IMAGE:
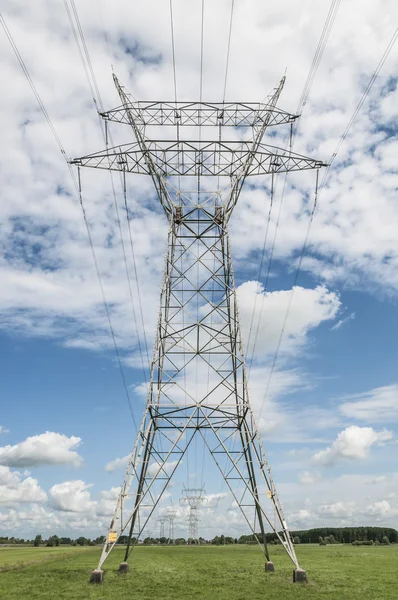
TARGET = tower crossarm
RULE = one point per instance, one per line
(199, 158)
(245, 170)
(157, 177)
(237, 114)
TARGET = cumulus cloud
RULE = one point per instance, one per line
(382, 508)
(341, 322)
(351, 444)
(338, 509)
(309, 308)
(166, 468)
(48, 448)
(118, 463)
(308, 477)
(72, 496)
(377, 405)
(107, 503)
(14, 488)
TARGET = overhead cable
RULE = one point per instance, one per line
(324, 179)
(293, 131)
(92, 81)
(228, 49)
(77, 185)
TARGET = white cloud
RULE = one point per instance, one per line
(382, 508)
(48, 448)
(166, 468)
(376, 405)
(351, 444)
(13, 488)
(214, 499)
(3, 430)
(353, 237)
(338, 509)
(72, 496)
(107, 503)
(309, 308)
(342, 321)
(38, 300)
(118, 463)
(308, 477)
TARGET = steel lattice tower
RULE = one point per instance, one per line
(171, 515)
(198, 384)
(193, 497)
(162, 521)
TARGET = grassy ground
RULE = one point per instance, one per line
(20, 556)
(212, 573)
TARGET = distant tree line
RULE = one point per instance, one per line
(358, 536)
(53, 540)
(332, 535)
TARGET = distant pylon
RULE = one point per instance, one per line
(171, 515)
(198, 328)
(193, 497)
(161, 521)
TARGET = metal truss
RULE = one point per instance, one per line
(198, 384)
(198, 158)
(193, 498)
(161, 521)
(171, 515)
(214, 114)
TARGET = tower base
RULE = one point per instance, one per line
(299, 576)
(97, 576)
(123, 567)
(269, 566)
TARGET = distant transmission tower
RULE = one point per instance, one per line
(198, 180)
(193, 497)
(171, 515)
(161, 521)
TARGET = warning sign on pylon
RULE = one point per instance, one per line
(112, 537)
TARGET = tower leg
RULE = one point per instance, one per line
(299, 576)
(97, 576)
(123, 567)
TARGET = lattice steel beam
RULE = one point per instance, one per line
(239, 114)
(198, 158)
(198, 326)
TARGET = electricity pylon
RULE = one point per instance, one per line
(162, 521)
(171, 515)
(198, 384)
(193, 497)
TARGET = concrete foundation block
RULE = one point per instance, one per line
(123, 567)
(97, 576)
(299, 576)
(269, 566)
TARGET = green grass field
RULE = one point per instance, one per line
(207, 572)
(19, 556)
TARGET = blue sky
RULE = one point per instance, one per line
(329, 423)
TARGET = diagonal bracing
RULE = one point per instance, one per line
(198, 385)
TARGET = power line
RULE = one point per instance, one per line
(173, 50)
(317, 194)
(77, 185)
(201, 52)
(291, 295)
(334, 7)
(96, 93)
(260, 270)
(87, 55)
(228, 49)
(360, 104)
(302, 102)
